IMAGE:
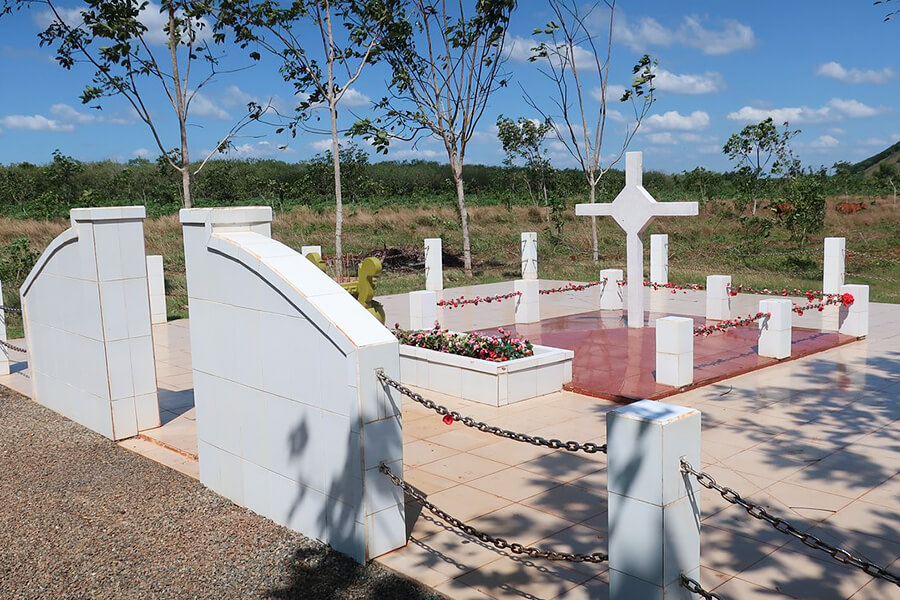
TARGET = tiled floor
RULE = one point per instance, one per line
(817, 440)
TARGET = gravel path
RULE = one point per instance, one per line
(81, 517)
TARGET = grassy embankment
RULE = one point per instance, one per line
(699, 246)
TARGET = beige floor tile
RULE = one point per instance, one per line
(765, 462)
(595, 482)
(797, 575)
(463, 467)
(534, 579)
(578, 539)
(522, 524)
(463, 438)
(467, 503)
(422, 452)
(879, 589)
(163, 456)
(570, 502)
(877, 550)
(807, 503)
(512, 453)
(870, 519)
(453, 553)
(887, 494)
(514, 484)
(739, 589)
(596, 588)
(561, 466)
(845, 473)
(457, 590)
(426, 482)
(728, 552)
(413, 562)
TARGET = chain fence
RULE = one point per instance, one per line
(451, 416)
(6, 344)
(692, 585)
(498, 542)
(11, 309)
(758, 511)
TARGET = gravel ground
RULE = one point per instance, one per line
(81, 517)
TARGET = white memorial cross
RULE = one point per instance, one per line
(634, 209)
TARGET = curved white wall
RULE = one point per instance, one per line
(291, 421)
(87, 324)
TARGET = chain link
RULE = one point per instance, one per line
(6, 344)
(499, 542)
(693, 586)
(757, 511)
(587, 447)
(872, 277)
(11, 309)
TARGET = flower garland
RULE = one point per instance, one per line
(462, 300)
(571, 287)
(675, 287)
(495, 348)
(734, 290)
(730, 324)
(830, 299)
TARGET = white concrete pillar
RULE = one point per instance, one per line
(659, 258)
(834, 264)
(611, 291)
(654, 511)
(718, 300)
(422, 309)
(854, 319)
(304, 250)
(528, 304)
(434, 265)
(529, 255)
(675, 351)
(157, 288)
(775, 330)
(4, 351)
(635, 268)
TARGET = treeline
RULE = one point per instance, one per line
(50, 190)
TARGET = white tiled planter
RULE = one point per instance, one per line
(494, 383)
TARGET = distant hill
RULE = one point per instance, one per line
(868, 166)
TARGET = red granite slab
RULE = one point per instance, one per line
(618, 363)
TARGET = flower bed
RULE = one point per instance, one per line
(495, 348)
(509, 376)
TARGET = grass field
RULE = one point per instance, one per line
(712, 243)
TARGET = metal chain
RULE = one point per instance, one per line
(873, 277)
(11, 309)
(757, 511)
(694, 586)
(587, 447)
(6, 344)
(499, 542)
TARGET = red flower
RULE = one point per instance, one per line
(847, 299)
(448, 420)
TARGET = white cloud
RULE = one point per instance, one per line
(355, 99)
(836, 131)
(34, 123)
(706, 83)
(835, 110)
(691, 32)
(665, 138)
(836, 70)
(202, 106)
(66, 113)
(261, 149)
(518, 49)
(824, 141)
(321, 145)
(142, 153)
(412, 153)
(675, 121)
(877, 142)
(234, 96)
(853, 108)
(613, 92)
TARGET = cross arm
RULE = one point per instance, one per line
(675, 209)
(594, 210)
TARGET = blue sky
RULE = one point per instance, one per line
(831, 68)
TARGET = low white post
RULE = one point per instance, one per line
(675, 351)
(718, 300)
(529, 255)
(834, 264)
(611, 291)
(422, 309)
(304, 250)
(854, 319)
(156, 285)
(528, 307)
(4, 351)
(654, 510)
(434, 265)
(659, 258)
(775, 330)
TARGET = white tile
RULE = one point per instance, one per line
(146, 408)
(121, 376)
(124, 419)
(114, 311)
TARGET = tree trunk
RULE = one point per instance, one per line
(338, 195)
(181, 109)
(595, 248)
(456, 170)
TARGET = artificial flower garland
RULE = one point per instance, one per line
(571, 287)
(830, 299)
(495, 348)
(730, 324)
(675, 287)
(462, 300)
